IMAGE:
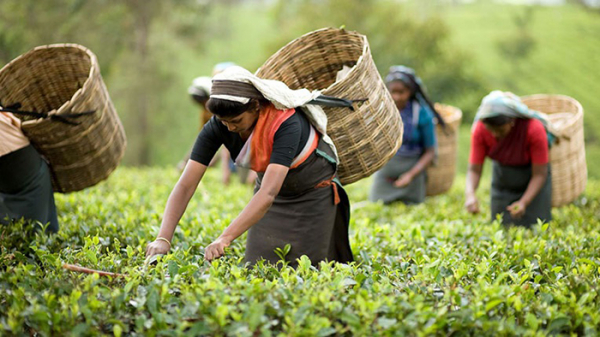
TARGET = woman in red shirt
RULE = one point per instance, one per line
(516, 140)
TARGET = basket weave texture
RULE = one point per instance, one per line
(440, 175)
(567, 155)
(365, 138)
(64, 79)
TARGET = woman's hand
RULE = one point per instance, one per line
(216, 249)
(403, 180)
(517, 209)
(472, 205)
(157, 247)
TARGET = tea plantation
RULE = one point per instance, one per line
(425, 270)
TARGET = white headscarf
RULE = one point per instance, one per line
(200, 86)
(281, 96)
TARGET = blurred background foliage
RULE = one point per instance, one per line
(150, 50)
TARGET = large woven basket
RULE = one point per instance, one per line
(440, 175)
(62, 81)
(567, 155)
(365, 138)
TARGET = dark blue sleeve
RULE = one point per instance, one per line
(427, 128)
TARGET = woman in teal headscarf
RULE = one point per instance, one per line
(403, 177)
(517, 140)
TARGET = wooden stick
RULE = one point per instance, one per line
(79, 269)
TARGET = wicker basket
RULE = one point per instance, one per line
(64, 80)
(367, 137)
(567, 155)
(440, 176)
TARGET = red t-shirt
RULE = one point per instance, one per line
(507, 151)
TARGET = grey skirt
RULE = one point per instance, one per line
(383, 182)
(304, 216)
(509, 184)
(26, 189)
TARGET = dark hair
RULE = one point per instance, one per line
(497, 120)
(228, 109)
(199, 98)
(405, 77)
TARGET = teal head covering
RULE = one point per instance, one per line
(499, 103)
(408, 76)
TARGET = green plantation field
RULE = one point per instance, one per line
(425, 270)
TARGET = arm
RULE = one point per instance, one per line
(473, 178)
(538, 142)
(421, 165)
(428, 139)
(253, 212)
(225, 165)
(538, 179)
(176, 205)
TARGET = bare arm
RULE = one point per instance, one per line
(538, 179)
(225, 166)
(176, 205)
(473, 178)
(253, 212)
(424, 161)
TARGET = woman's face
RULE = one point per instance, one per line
(500, 131)
(241, 123)
(400, 93)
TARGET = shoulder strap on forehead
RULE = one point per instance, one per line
(235, 88)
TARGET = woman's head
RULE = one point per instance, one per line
(402, 85)
(499, 125)
(200, 89)
(236, 103)
(400, 92)
(237, 117)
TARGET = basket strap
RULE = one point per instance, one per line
(64, 118)
(331, 101)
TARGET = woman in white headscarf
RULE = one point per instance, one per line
(200, 92)
(279, 133)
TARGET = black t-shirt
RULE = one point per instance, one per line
(288, 142)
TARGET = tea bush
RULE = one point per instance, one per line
(431, 269)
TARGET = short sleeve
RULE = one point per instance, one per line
(479, 148)
(286, 142)
(427, 128)
(207, 143)
(538, 142)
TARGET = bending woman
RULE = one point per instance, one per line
(403, 177)
(297, 199)
(25, 183)
(516, 139)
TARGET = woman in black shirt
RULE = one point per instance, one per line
(297, 199)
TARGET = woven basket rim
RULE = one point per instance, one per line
(577, 114)
(364, 42)
(365, 49)
(456, 115)
(86, 83)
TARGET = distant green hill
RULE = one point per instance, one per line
(565, 58)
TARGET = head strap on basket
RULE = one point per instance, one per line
(235, 88)
(63, 118)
